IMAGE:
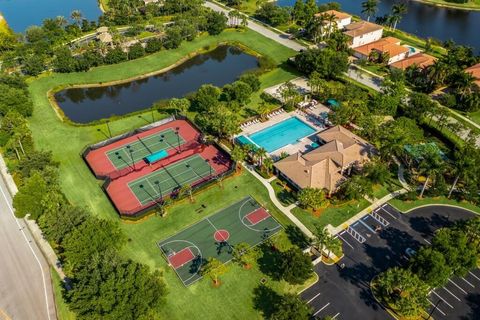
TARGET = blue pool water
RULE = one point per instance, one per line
(282, 134)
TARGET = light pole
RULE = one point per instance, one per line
(108, 127)
(209, 166)
(178, 138)
(130, 151)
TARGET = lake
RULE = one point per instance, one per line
(218, 67)
(424, 20)
(20, 14)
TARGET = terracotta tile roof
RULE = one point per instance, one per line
(339, 15)
(321, 168)
(360, 28)
(475, 72)
(421, 60)
(388, 45)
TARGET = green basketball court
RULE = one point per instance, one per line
(215, 236)
(163, 181)
(131, 153)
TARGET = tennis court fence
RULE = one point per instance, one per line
(141, 211)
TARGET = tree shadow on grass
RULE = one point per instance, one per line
(270, 261)
(297, 237)
(265, 300)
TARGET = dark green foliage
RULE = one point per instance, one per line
(115, 55)
(291, 307)
(217, 22)
(35, 160)
(238, 91)
(153, 45)
(92, 236)
(15, 99)
(33, 65)
(136, 51)
(174, 38)
(29, 198)
(57, 224)
(110, 287)
(252, 80)
(295, 266)
(206, 97)
(272, 14)
(431, 267)
(327, 62)
(64, 61)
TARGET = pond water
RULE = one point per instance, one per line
(424, 20)
(218, 67)
(20, 14)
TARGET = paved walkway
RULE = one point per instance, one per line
(273, 197)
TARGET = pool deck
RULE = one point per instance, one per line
(305, 116)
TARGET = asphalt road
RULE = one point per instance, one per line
(344, 293)
(25, 287)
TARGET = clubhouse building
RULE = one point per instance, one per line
(326, 166)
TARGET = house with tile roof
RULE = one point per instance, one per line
(363, 32)
(324, 167)
(386, 46)
(420, 60)
(342, 19)
(475, 72)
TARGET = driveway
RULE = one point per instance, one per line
(25, 286)
(378, 242)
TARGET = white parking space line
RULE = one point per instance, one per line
(321, 309)
(473, 275)
(438, 309)
(335, 316)
(367, 226)
(446, 302)
(345, 241)
(313, 298)
(426, 240)
(456, 285)
(451, 294)
(388, 213)
(471, 285)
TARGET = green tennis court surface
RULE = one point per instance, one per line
(214, 236)
(163, 181)
(135, 151)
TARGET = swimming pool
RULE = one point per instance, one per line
(287, 132)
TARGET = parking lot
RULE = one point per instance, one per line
(377, 242)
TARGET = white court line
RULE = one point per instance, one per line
(313, 298)
(473, 275)
(31, 249)
(456, 285)
(448, 304)
(388, 213)
(321, 309)
(451, 294)
(335, 316)
(346, 241)
(471, 285)
(438, 309)
(426, 241)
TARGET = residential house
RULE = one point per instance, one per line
(420, 60)
(342, 19)
(388, 46)
(324, 167)
(363, 32)
(475, 72)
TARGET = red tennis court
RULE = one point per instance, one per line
(257, 216)
(126, 155)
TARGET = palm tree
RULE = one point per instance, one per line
(437, 73)
(431, 165)
(331, 22)
(317, 28)
(463, 83)
(320, 238)
(268, 164)
(261, 153)
(264, 108)
(180, 104)
(77, 16)
(244, 22)
(464, 164)
(61, 21)
(238, 154)
(398, 10)
(369, 8)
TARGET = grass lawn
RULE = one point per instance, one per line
(416, 42)
(66, 141)
(469, 5)
(285, 196)
(333, 214)
(409, 205)
(475, 116)
(63, 313)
